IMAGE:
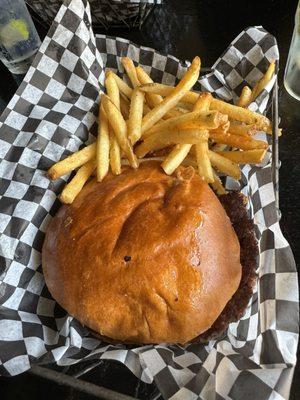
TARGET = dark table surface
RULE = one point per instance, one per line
(185, 29)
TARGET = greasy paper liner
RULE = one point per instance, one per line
(52, 114)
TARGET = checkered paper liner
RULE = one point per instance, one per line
(104, 12)
(52, 114)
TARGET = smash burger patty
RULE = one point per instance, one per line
(145, 257)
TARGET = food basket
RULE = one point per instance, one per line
(52, 114)
(105, 13)
(79, 376)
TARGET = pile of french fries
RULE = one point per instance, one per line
(173, 125)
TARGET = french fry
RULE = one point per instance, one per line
(165, 90)
(218, 147)
(248, 130)
(120, 102)
(186, 162)
(152, 99)
(180, 151)
(217, 185)
(123, 87)
(262, 83)
(186, 83)
(102, 156)
(72, 162)
(134, 123)
(112, 89)
(114, 154)
(242, 130)
(202, 119)
(119, 126)
(222, 164)
(175, 158)
(174, 113)
(239, 142)
(221, 130)
(233, 112)
(240, 114)
(167, 138)
(124, 107)
(72, 189)
(245, 97)
(130, 70)
(203, 162)
(185, 106)
(180, 110)
(244, 157)
(146, 109)
(203, 102)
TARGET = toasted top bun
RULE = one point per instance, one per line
(143, 257)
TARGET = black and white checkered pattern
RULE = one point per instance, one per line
(106, 12)
(52, 115)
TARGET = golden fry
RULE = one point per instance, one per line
(175, 158)
(244, 157)
(165, 90)
(146, 109)
(114, 154)
(72, 162)
(112, 89)
(185, 106)
(242, 130)
(203, 102)
(72, 189)
(120, 102)
(262, 83)
(224, 165)
(123, 87)
(245, 97)
(201, 119)
(233, 112)
(167, 138)
(152, 99)
(124, 107)
(218, 147)
(203, 161)
(119, 126)
(239, 142)
(134, 123)
(130, 70)
(102, 157)
(221, 130)
(217, 185)
(240, 114)
(186, 83)
(180, 151)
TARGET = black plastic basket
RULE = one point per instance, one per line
(105, 13)
(77, 376)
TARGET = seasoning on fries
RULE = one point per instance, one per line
(102, 146)
(173, 125)
(245, 97)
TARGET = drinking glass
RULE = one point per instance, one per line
(19, 40)
(292, 69)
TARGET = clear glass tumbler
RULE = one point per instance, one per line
(19, 40)
(292, 69)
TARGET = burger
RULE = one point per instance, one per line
(144, 257)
